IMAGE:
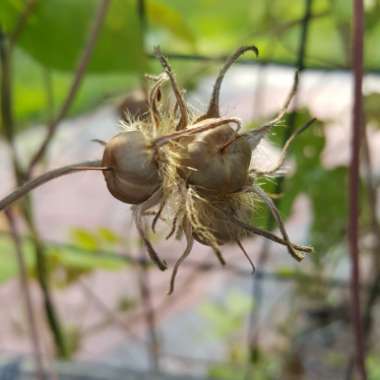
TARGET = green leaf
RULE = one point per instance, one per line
(342, 10)
(30, 91)
(226, 318)
(58, 30)
(372, 107)
(8, 259)
(325, 188)
(165, 17)
(108, 236)
(216, 24)
(84, 239)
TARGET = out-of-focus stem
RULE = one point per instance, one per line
(46, 177)
(84, 60)
(24, 284)
(353, 223)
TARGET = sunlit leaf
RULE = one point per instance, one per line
(166, 17)
(8, 259)
(372, 107)
(108, 236)
(58, 30)
(84, 238)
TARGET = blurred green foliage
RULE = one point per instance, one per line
(31, 82)
(226, 319)
(57, 31)
(66, 263)
(371, 108)
(373, 366)
(227, 314)
(322, 186)
(55, 34)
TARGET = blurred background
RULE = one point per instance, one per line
(77, 296)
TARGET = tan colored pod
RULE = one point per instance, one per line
(210, 162)
(133, 177)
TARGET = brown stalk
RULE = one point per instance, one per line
(353, 223)
(149, 314)
(84, 60)
(22, 22)
(284, 150)
(138, 212)
(26, 293)
(266, 234)
(9, 127)
(184, 119)
(276, 215)
(46, 177)
(201, 126)
(189, 245)
(213, 107)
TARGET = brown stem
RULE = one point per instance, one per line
(201, 126)
(153, 97)
(268, 235)
(138, 212)
(189, 245)
(46, 177)
(277, 217)
(353, 223)
(213, 108)
(22, 22)
(24, 284)
(284, 150)
(149, 314)
(184, 119)
(246, 255)
(111, 315)
(42, 273)
(79, 74)
(288, 100)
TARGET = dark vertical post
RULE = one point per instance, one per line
(353, 223)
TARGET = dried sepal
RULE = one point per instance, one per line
(187, 229)
(213, 107)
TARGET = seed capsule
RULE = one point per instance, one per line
(213, 163)
(133, 176)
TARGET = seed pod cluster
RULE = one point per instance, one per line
(194, 169)
(196, 166)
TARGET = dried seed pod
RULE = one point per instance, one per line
(202, 163)
(217, 160)
(134, 176)
(221, 189)
(210, 162)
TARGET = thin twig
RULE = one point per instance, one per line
(24, 284)
(41, 266)
(84, 60)
(353, 223)
(111, 314)
(213, 107)
(149, 314)
(46, 177)
(268, 235)
(22, 22)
